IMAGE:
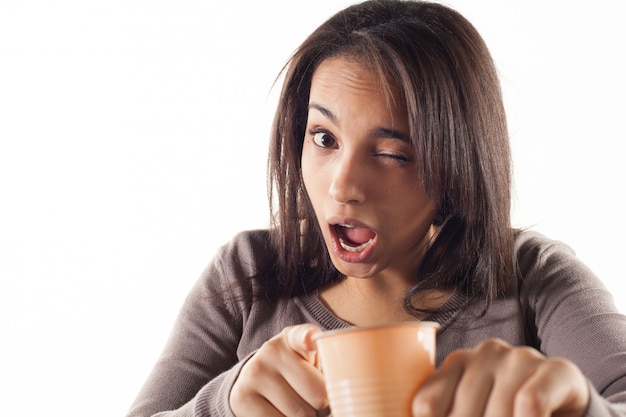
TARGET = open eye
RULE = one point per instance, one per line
(323, 139)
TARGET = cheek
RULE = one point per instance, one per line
(411, 205)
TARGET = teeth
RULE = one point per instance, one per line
(354, 249)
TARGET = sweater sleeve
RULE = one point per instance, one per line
(199, 363)
(575, 318)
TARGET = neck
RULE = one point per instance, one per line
(370, 302)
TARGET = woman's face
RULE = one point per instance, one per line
(361, 175)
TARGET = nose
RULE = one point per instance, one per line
(348, 183)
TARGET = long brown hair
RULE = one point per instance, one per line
(457, 126)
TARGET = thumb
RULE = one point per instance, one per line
(300, 340)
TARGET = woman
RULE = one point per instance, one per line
(390, 171)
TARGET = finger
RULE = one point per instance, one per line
(286, 398)
(263, 381)
(474, 390)
(493, 373)
(473, 394)
(436, 396)
(280, 376)
(512, 372)
(305, 376)
(308, 381)
(556, 386)
(256, 406)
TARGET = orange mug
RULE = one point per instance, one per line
(375, 371)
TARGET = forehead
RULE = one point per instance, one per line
(334, 76)
(347, 71)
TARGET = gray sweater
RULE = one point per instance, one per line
(558, 306)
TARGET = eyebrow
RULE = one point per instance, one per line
(380, 132)
(325, 112)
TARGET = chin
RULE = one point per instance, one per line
(361, 271)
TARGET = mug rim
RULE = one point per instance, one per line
(327, 333)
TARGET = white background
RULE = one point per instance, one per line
(133, 136)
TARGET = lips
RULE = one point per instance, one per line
(352, 241)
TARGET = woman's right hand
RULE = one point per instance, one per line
(282, 378)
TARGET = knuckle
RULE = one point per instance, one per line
(320, 400)
(522, 358)
(456, 357)
(425, 405)
(493, 346)
(523, 354)
(272, 349)
(529, 403)
(254, 370)
(560, 364)
(240, 394)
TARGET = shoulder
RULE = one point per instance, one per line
(232, 275)
(548, 263)
(527, 239)
(234, 265)
(247, 243)
(247, 254)
(532, 247)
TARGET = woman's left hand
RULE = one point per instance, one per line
(496, 380)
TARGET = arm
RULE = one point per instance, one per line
(578, 368)
(199, 362)
(281, 378)
(230, 345)
(576, 318)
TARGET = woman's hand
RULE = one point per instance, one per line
(281, 379)
(496, 380)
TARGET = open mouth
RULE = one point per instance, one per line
(354, 239)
